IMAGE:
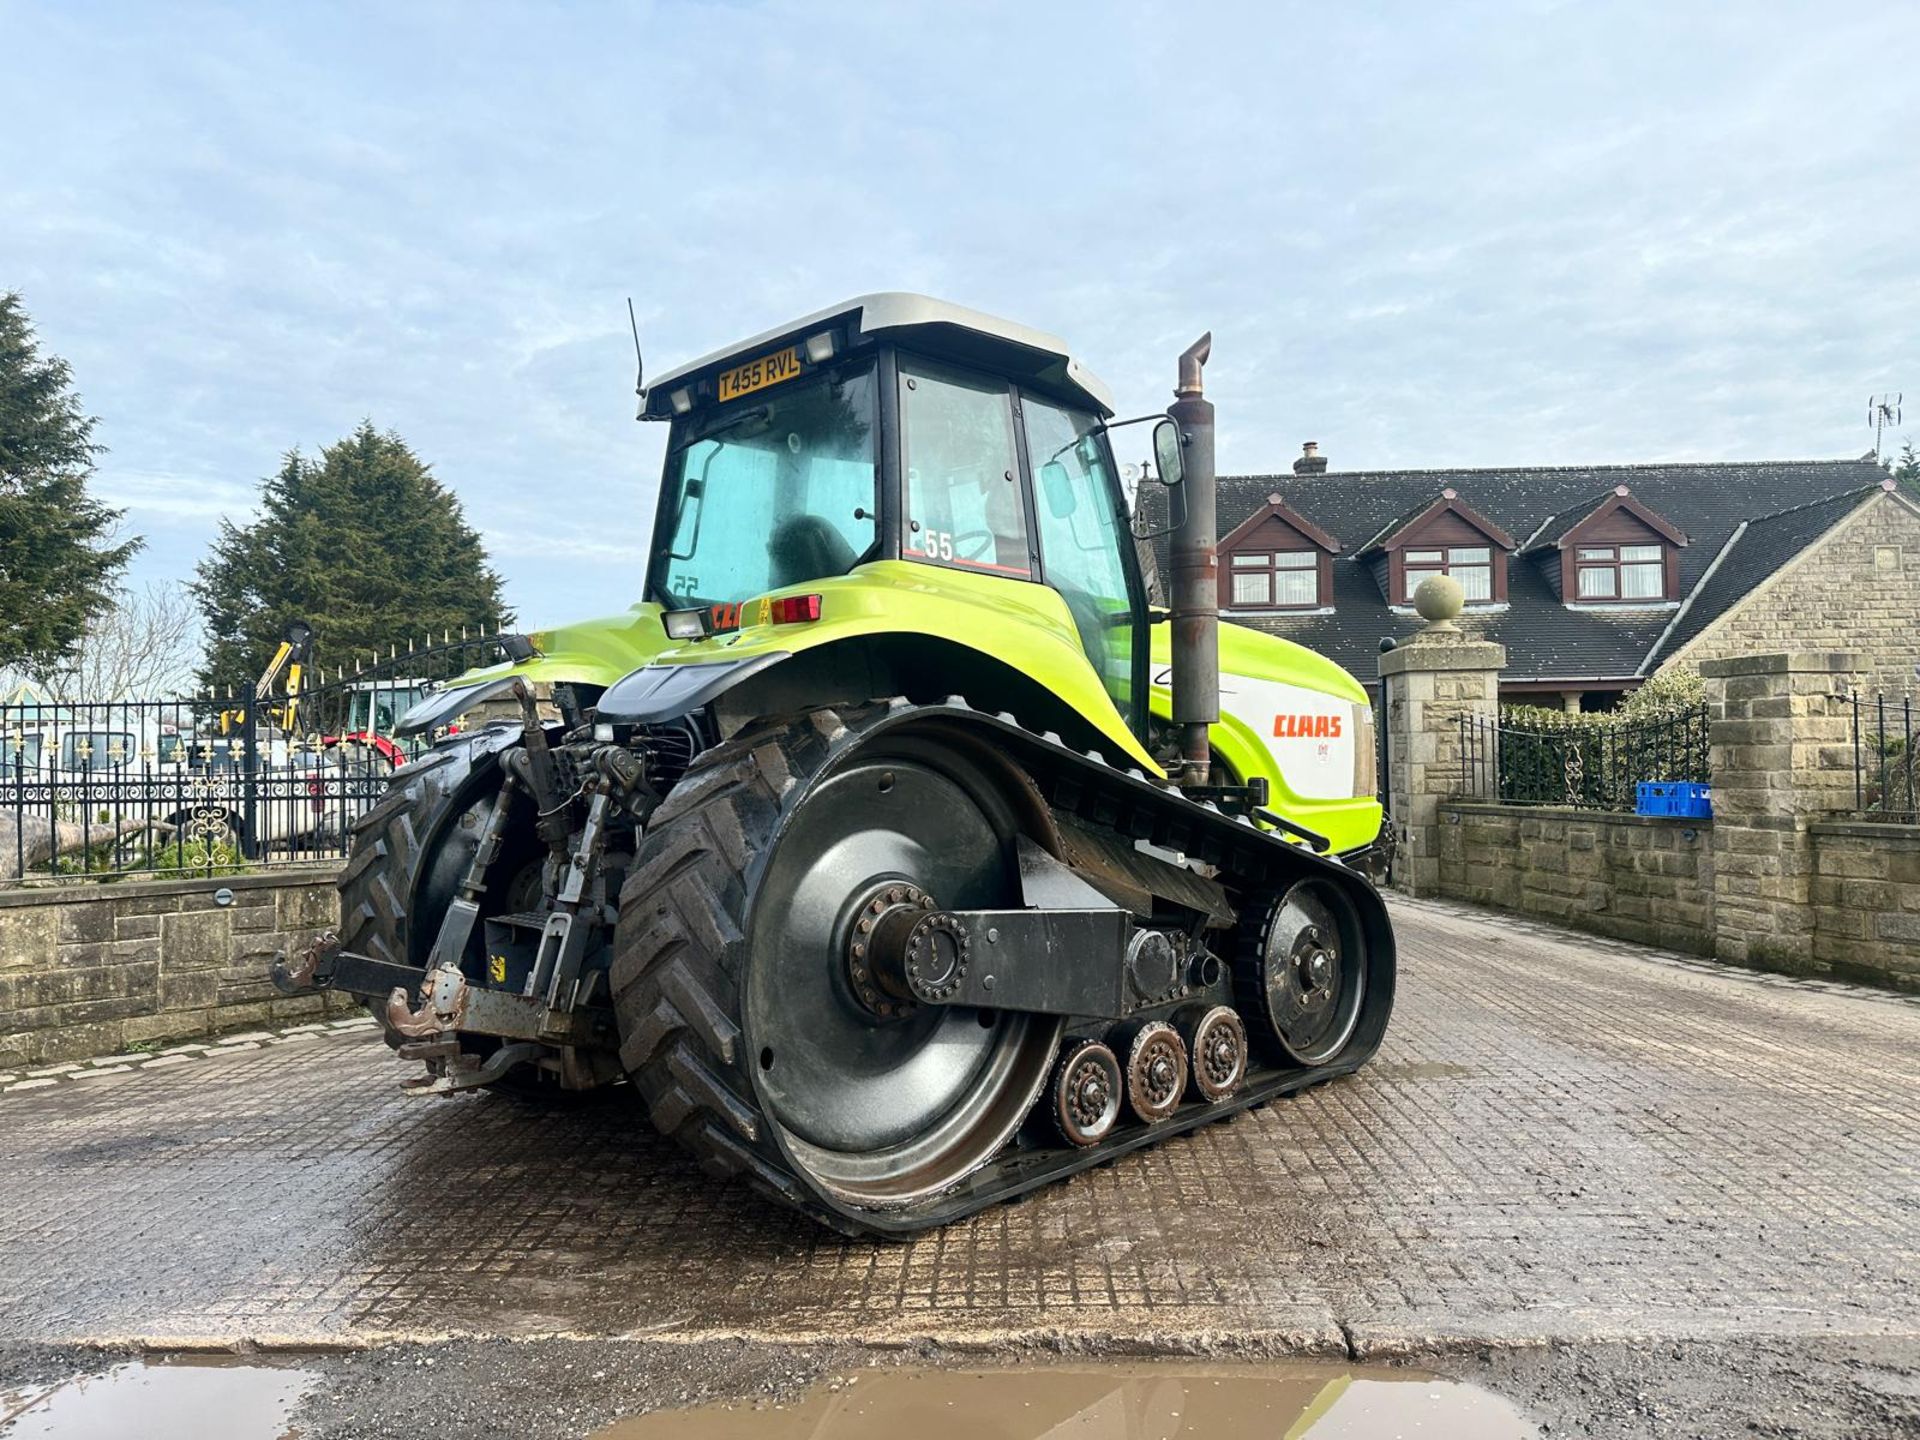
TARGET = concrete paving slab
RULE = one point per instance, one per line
(1560, 1140)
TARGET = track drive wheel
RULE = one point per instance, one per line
(758, 1016)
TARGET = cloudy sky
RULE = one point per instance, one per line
(1423, 235)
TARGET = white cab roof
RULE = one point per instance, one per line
(901, 310)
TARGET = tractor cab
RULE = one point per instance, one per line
(900, 428)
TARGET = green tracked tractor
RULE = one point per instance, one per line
(892, 847)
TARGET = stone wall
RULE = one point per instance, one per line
(1634, 877)
(92, 969)
(1432, 683)
(1777, 879)
(1857, 590)
(1866, 901)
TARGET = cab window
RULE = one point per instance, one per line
(1081, 538)
(774, 492)
(962, 493)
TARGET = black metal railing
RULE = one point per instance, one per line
(1587, 762)
(1884, 785)
(213, 784)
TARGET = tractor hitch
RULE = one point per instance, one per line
(447, 1000)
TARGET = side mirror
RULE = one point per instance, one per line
(1167, 457)
(1057, 489)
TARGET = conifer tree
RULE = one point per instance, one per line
(58, 558)
(363, 544)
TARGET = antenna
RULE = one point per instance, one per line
(1882, 411)
(639, 365)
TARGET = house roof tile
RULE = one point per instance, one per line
(1783, 505)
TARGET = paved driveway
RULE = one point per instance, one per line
(1562, 1138)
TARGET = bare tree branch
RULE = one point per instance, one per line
(143, 647)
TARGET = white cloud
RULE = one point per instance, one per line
(1466, 234)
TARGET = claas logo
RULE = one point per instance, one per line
(1306, 727)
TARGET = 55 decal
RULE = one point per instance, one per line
(934, 544)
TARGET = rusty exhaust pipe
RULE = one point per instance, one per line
(1196, 581)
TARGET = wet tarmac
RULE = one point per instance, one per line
(181, 1399)
(1561, 1139)
(1110, 1402)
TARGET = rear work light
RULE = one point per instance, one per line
(685, 624)
(794, 609)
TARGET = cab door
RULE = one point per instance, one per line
(1083, 531)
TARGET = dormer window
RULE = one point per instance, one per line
(1276, 559)
(1612, 550)
(1276, 579)
(1470, 565)
(1621, 572)
(1445, 536)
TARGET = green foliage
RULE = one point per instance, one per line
(363, 544)
(1597, 760)
(1662, 693)
(1680, 688)
(58, 564)
(1905, 467)
(145, 855)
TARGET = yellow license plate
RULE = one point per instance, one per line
(772, 369)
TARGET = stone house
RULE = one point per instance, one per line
(1593, 577)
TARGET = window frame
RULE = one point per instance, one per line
(885, 435)
(1123, 517)
(1411, 574)
(1315, 565)
(894, 484)
(1617, 566)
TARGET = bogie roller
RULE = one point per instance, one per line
(872, 848)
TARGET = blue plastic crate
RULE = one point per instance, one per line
(1674, 797)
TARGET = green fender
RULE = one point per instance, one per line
(590, 652)
(1024, 626)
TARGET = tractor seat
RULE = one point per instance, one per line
(807, 547)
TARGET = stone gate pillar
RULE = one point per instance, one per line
(1430, 682)
(1780, 734)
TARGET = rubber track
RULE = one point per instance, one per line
(680, 947)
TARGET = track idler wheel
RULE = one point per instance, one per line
(1311, 973)
(1087, 1087)
(1156, 1071)
(1217, 1042)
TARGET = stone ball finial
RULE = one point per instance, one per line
(1439, 599)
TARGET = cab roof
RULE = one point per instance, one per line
(935, 326)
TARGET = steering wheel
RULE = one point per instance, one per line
(982, 539)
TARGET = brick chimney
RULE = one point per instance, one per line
(1311, 461)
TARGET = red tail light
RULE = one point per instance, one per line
(793, 609)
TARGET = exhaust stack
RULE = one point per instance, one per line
(1196, 593)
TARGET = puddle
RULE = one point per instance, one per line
(211, 1398)
(1126, 1402)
